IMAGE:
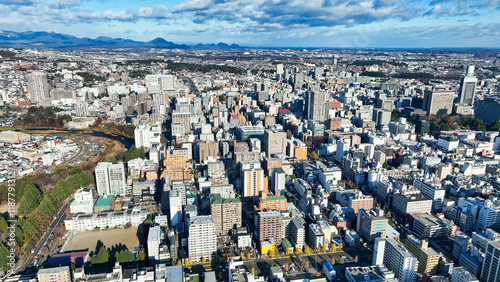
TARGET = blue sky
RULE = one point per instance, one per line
(272, 23)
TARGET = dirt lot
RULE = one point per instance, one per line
(88, 239)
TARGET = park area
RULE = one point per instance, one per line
(88, 239)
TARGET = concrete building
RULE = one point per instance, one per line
(438, 102)
(410, 204)
(110, 179)
(105, 219)
(38, 87)
(147, 136)
(428, 258)
(154, 239)
(429, 226)
(371, 224)
(208, 149)
(225, 212)
(274, 142)
(315, 236)
(202, 240)
(491, 264)
(433, 191)
(83, 203)
(297, 233)
(377, 273)
(460, 274)
(316, 106)
(175, 206)
(54, 274)
(252, 183)
(269, 226)
(278, 181)
(378, 251)
(398, 259)
(467, 87)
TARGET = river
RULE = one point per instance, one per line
(125, 141)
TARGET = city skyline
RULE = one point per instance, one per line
(263, 23)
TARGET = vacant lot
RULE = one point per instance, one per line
(88, 240)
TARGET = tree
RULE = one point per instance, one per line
(220, 275)
(287, 267)
(314, 155)
(333, 261)
(125, 256)
(288, 133)
(102, 256)
(341, 246)
(323, 248)
(334, 247)
(203, 260)
(249, 255)
(306, 250)
(30, 200)
(356, 259)
(297, 251)
(242, 256)
(252, 271)
(179, 262)
(4, 257)
(288, 251)
(306, 266)
(3, 224)
(271, 253)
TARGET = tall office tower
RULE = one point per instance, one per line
(398, 259)
(175, 206)
(438, 102)
(110, 178)
(491, 264)
(252, 182)
(371, 224)
(154, 239)
(279, 181)
(38, 87)
(316, 106)
(269, 226)
(82, 109)
(378, 251)
(274, 142)
(202, 240)
(428, 258)
(279, 70)
(225, 212)
(467, 87)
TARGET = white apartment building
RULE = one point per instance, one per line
(154, 239)
(82, 222)
(202, 240)
(147, 136)
(398, 259)
(110, 179)
(433, 191)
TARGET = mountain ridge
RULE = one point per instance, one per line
(53, 40)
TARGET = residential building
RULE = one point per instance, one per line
(269, 226)
(398, 259)
(202, 240)
(428, 258)
(54, 274)
(410, 204)
(252, 182)
(110, 178)
(274, 142)
(153, 243)
(297, 233)
(226, 213)
(491, 264)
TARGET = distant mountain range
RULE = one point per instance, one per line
(52, 40)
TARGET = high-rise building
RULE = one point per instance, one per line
(147, 136)
(269, 226)
(279, 181)
(297, 233)
(410, 204)
(183, 118)
(316, 106)
(38, 87)
(438, 102)
(378, 251)
(467, 87)
(398, 259)
(371, 224)
(225, 212)
(110, 179)
(274, 142)
(202, 240)
(252, 182)
(491, 264)
(175, 206)
(428, 258)
(154, 239)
